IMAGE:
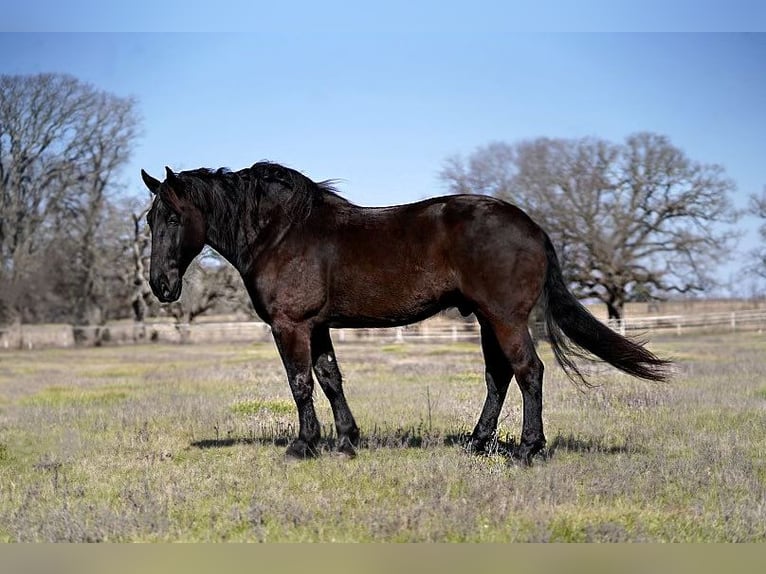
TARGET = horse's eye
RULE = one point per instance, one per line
(173, 220)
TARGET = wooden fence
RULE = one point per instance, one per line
(433, 330)
(753, 320)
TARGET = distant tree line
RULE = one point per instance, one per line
(62, 144)
(73, 243)
(632, 221)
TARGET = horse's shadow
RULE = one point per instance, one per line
(377, 439)
(416, 438)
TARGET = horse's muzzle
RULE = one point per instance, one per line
(165, 289)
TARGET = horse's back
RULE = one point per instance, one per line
(413, 260)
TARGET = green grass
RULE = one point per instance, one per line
(59, 396)
(186, 443)
(255, 407)
(398, 348)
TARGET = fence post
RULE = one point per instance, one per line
(399, 334)
(733, 321)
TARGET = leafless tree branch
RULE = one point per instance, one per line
(632, 221)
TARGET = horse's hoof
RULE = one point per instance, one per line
(345, 449)
(300, 450)
(476, 447)
(523, 454)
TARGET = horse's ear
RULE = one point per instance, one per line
(150, 182)
(174, 182)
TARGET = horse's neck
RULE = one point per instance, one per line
(225, 220)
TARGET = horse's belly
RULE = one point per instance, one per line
(390, 303)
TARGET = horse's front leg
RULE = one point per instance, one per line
(330, 379)
(294, 343)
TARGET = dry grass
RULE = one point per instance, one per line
(168, 443)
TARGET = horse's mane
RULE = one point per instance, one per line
(297, 193)
(271, 171)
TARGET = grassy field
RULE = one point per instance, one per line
(185, 443)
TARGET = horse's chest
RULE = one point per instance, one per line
(295, 288)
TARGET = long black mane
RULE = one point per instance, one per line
(263, 180)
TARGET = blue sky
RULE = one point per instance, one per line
(379, 100)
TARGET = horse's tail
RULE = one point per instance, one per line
(567, 322)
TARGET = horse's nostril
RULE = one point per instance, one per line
(164, 287)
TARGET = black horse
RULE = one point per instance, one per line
(311, 261)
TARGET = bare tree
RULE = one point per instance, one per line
(62, 144)
(211, 285)
(631, 221)
(110, 131)
(139, 247)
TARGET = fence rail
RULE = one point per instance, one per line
(439, 330)
(752, 320)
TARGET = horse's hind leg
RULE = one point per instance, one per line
(519, 350)
(528, 369)
(330, 379)
(497, 376)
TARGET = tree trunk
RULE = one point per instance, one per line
(615, 303)
(140, 285)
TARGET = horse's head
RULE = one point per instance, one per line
(178, 234)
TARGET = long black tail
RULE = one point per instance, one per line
(568, 322)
